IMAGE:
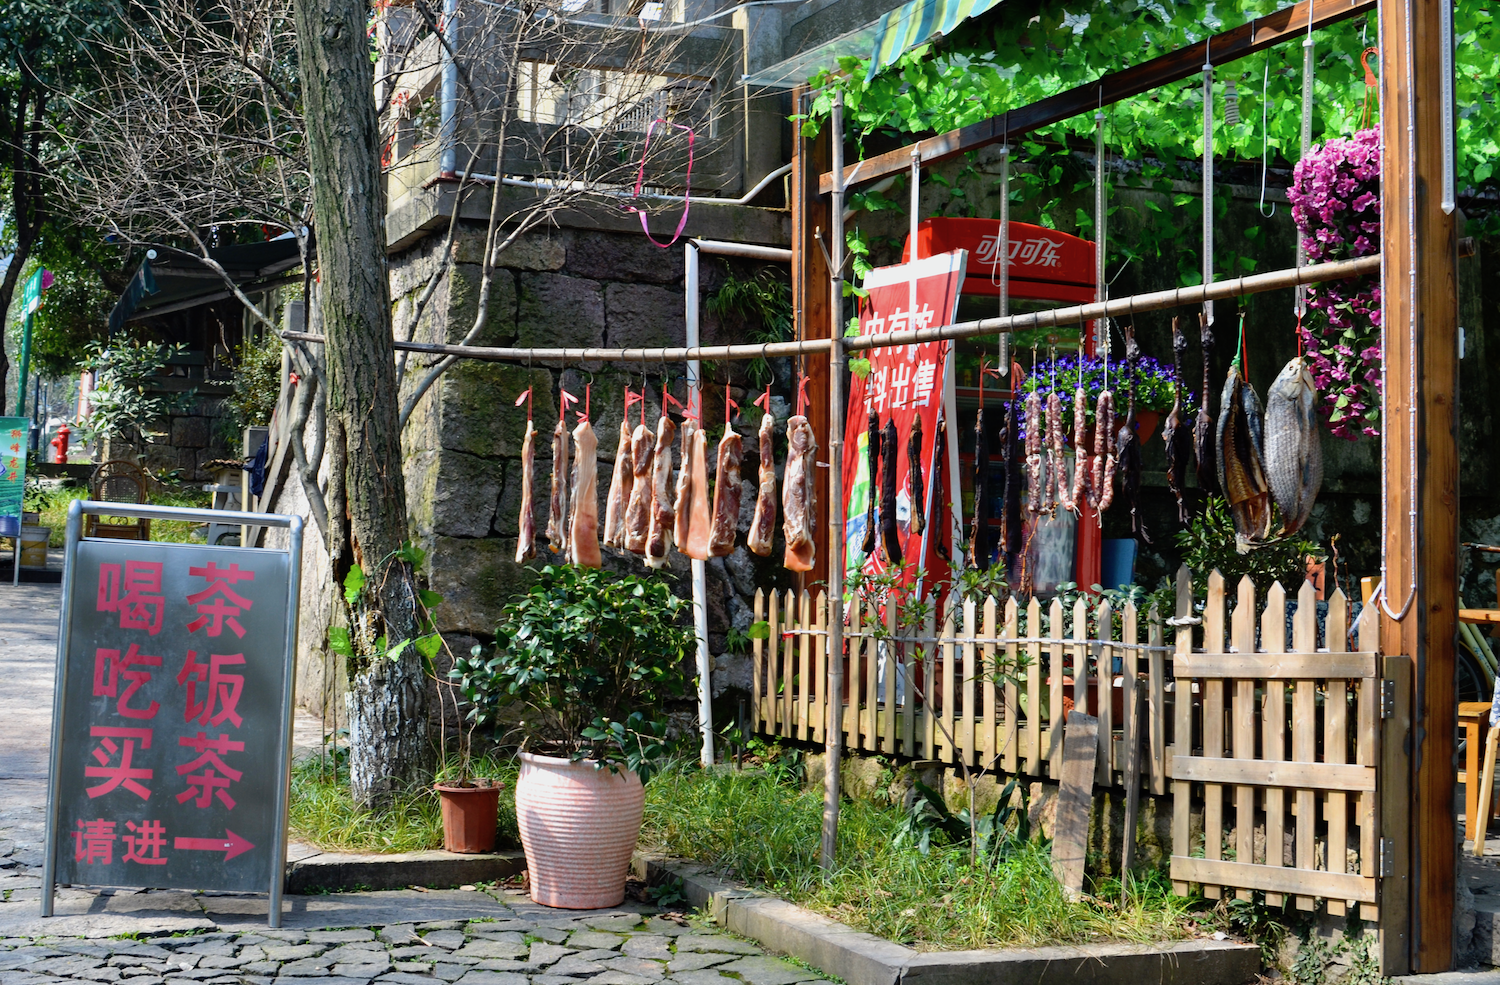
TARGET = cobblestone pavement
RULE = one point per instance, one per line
(515, 942)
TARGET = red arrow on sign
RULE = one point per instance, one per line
(231, 844)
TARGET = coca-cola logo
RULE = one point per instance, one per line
(1038, 251)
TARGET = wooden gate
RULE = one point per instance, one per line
(1287, 758)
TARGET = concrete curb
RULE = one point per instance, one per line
(332, 871)
(863, 959)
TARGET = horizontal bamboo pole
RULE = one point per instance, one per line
(1272, 280)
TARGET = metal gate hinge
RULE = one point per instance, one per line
(1387, 861)
(1387, 698)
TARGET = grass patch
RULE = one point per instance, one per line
(53, 507)
(768, 833)
(322, 812)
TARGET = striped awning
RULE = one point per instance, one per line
(914, 22)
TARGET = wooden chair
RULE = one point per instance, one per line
(118, 481)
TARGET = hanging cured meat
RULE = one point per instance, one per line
(1057, 468)
(979, 555)
(726, 522)
(583, 533)
(890, 533)
(620, 483)
(1081, 491)
(914, 487)
(526, 535)
(1015, 536)
(557, 513)
(1036, 434)
(682, 502)
(1178, 432)
(799, 495)
(1103, 471)
(872, 457)
(638, 513)
(939, 469)
(700, 520)
(1294, 454)
(763, 526)
(659, 538)
(1204, 433)
(1240, 447)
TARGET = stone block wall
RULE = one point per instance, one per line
(187, 442)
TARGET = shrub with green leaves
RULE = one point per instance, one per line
(124, 404)
(593, 657)
(1208, 544)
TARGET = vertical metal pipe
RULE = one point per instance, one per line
(700, 569)
(1208, 179)
(1101, 225)
(1002, 256)
(448, 125)
(59, 705)
(1448, 120)
(834, 744)
(1308, 95)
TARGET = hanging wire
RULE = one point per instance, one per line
(1265, 137)
(1308, 66)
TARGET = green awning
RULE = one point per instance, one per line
(914, 22)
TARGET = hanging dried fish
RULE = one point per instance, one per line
(890, 534)
(1015, 536)
(763, 526)
(1103, 473)
(620, 483)
(682, 500)
(583, 531)
(1057, 468)
(1294, 452)
(1128, 444)
(872, 458)
(1240, 446)
(526, 534)
(1036, 434)
(638, 512)
(799, 502)
(1204, 432)
(1177, 432)
(659, 539)
(979, 555)
(726, 520)
(914, 487)
(557, 514)
(1081, 493)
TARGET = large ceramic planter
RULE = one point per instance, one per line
(469, 816)
(579, 826)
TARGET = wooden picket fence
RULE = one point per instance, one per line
(1290, 727)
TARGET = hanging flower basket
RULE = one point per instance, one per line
(1335, 198)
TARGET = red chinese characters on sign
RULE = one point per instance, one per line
(121, 772)
(144, 842)
(221, 693)
(215, 612)
(136, 596)
(208, 784)
(94, 842)
(110, 668)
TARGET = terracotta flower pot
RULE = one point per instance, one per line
(469, 815)
(579, 826)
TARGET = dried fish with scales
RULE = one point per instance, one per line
(1294, 450)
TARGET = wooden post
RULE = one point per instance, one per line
(1420, 296)
(833, 545)
(810, 294)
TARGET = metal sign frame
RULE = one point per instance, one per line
(293, 524)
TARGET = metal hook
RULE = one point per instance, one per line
(1265, 138)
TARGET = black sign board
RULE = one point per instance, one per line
(171, 721)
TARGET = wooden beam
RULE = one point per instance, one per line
(1274, 773)
(1420, 297)
(1306, 882)
(1185, 63)
(1276, 666)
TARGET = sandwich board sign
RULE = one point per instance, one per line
(172, 713)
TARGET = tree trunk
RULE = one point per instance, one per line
(25, 102)
(388, 717)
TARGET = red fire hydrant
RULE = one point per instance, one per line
(60, 445)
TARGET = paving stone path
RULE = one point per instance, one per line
(516, 943)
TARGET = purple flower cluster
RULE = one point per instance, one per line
(1335, 198)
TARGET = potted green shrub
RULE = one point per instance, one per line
(591, 659)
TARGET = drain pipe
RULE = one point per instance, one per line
(700, 573)
(448, 128)
(580, 186)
